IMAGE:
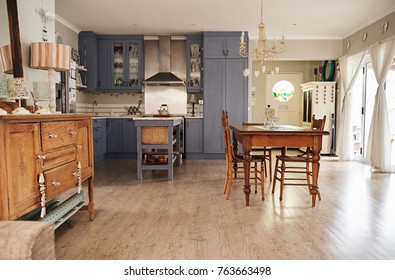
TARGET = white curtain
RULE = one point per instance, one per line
(379, 141)
(349, 69)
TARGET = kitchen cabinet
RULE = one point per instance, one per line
(87, 48)
(121, 138)
(57, 148)
(117, 61)
(193, 136)
(194, 52)
(99, 138)
(103, 63)
(319, 98)
(222, 44)
(126, 62)
(225, 88)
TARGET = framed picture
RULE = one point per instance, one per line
(78, 79)
(72, 73)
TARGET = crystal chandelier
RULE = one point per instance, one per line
(262, 50)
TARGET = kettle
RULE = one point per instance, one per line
(163, 111)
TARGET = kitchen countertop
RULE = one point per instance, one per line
(143, 117)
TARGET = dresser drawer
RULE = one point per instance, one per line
(58, 134)
(60, 179)
(59, 157)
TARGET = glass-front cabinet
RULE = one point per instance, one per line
(194, 53)
(126, 58)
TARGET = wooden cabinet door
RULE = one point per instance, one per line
(22, 148)
(84, 147)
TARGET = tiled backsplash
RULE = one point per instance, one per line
(117, 110)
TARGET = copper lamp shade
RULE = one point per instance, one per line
(45, 55)
(6, 59)
(52, 57)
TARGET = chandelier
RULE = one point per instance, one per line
(262, 50)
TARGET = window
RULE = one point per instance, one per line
(283, 91)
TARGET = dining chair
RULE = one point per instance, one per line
(266, 152)
(298, 164)
(234, 163)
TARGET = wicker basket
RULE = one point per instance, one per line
(154, 135)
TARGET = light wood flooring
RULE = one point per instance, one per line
(189, 218)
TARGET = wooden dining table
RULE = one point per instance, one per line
(282, 136)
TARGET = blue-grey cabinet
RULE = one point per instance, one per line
(126, 63)
(225, 88)
(193, 136)
(99, 138)
(194, 52)
(103, 62)
(115, 63)
(87, 48)
(121, 137)
(222, 44)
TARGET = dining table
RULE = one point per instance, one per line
(283, 136)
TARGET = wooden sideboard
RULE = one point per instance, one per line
(58, 148)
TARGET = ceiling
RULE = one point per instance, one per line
(297, 19)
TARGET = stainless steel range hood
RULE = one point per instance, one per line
(164, 77)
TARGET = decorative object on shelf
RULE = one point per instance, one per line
(328, 77)
(193, 100)
(246, 72)
(262, 49)
(320, 73)
(6, 59)
(17, 88)
(3, 86)
(52, 57)
(315, 74)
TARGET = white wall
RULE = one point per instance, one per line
(30, 29)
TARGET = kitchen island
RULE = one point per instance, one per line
(158, 144)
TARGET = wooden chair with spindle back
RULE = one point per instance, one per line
(300, 165)
(234, 163)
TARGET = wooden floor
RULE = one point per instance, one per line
(189, 218)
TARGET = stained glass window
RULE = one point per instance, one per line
(283, 91)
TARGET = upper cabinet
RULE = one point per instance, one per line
(126, 63)
(194, 52)
(118, 63)
(87, 48)
(218, 45)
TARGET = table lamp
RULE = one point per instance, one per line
(52, 57)
(193, 100)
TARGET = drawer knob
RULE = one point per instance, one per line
(53, 135)
(75, 174)
(42, 157)
(55, 184)
(79, 146)
(73, 133)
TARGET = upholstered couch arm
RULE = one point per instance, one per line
(27, 240)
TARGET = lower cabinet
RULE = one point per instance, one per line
(121, 138)
(99, 138)
(41, 157)
(193, 136)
